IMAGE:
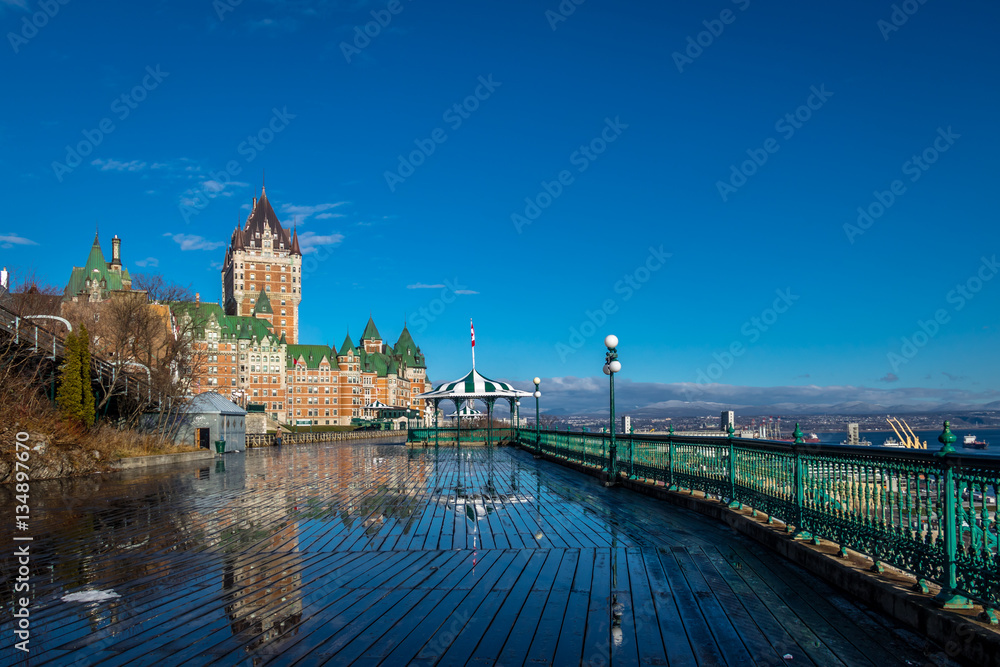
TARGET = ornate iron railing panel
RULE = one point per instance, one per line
(933, 514)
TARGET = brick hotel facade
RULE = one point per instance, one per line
(248, 348)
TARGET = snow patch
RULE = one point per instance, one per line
(90, 596)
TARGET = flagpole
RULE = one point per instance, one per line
(473, 328)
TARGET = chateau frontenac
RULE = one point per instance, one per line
(248, 348)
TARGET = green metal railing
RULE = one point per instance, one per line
(930, 513)
(445, 436)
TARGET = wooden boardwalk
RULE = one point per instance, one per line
(383, 554)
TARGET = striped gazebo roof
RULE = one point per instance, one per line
(474, 385)
(468, 410)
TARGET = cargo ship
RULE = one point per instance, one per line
(970, 442)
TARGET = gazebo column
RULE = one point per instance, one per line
(489, 420)
(458, 421)
(435, 404)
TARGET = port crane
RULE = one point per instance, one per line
(905, 434)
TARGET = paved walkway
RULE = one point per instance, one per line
(383, 554)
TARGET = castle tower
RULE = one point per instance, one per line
(264, 258)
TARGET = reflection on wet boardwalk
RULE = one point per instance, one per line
(382, 554)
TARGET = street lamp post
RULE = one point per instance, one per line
(538, 437)
(612, 366)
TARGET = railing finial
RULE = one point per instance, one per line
(798, 434)
(947, 438)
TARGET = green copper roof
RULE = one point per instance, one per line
(206, 315)
(95, 268)
(263, 304)
(348, 346)
(371, 332)
(408, 351)
(310, 355)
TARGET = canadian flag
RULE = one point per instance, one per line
(473, 333)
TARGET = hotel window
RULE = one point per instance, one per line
(282, 289)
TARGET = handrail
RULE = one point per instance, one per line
(932, 514)
(46, 339)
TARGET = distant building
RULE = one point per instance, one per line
(249, 347)
(853, 434)
(98, 278)
(728, 419)
(626, 424)
(263, 261)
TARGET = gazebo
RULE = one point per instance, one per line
(473, 387)
(468, 411)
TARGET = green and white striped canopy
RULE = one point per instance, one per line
(468, 410)
(378, 405)
(474, 385)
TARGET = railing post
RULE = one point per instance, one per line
(800, 492)
(631, 452)
(733, 504)
(670, 456)
(949, 597)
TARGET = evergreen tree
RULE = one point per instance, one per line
(70, 392)
(87, 391)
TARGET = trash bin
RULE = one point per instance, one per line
(220, 446)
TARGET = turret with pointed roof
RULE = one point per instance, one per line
(347, 346)
(97, 278)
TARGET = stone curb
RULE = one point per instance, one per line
(959, 633)
(161, 459)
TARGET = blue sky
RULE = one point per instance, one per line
(693, 168)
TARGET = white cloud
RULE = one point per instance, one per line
(310, 241)
(209, 189)
(588, 395)
(151, 262)
(194, 242)
(299, 214)
(440, 286)
(8, 241)
(118, 165)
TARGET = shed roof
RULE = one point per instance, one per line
(213, 403)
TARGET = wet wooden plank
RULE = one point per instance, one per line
(754, 642)
(700, 637)
(672, 631)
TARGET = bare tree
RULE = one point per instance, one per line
(30, 295)
(159, 289)
(141, 340)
